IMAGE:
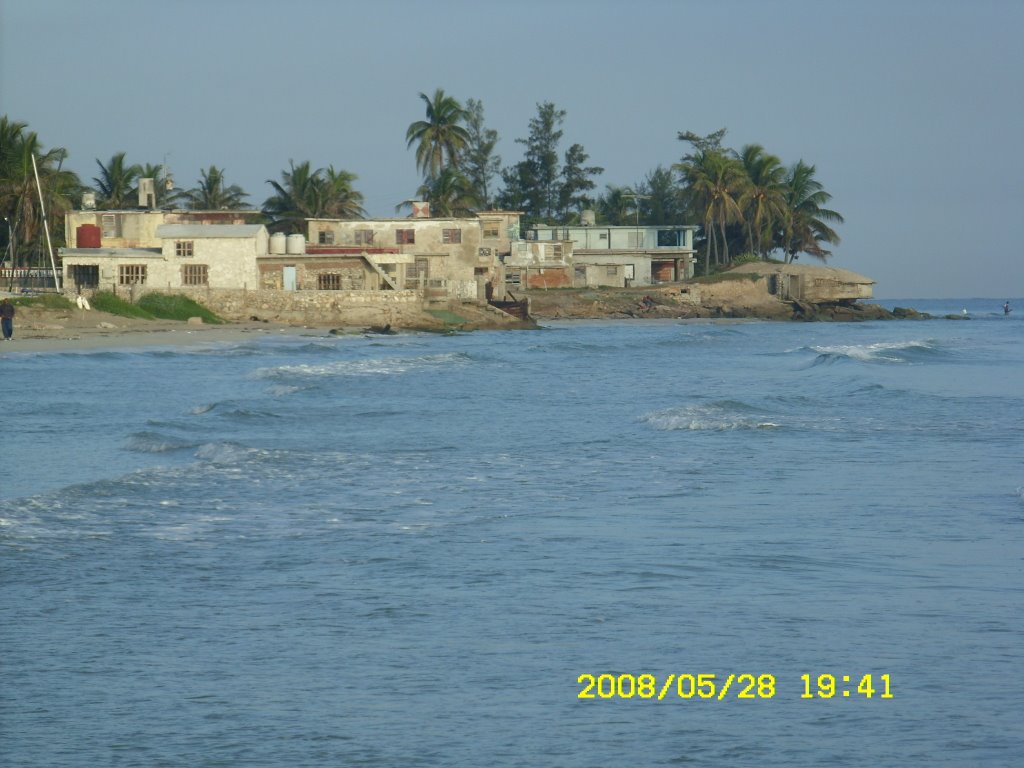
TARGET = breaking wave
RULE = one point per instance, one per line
(716, 416)
(884, 352)
(386, 366)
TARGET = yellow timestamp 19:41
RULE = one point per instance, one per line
(827, 685)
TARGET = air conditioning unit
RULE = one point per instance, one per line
(147, 193)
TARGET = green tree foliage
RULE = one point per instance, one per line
(450, 193)
(662, 200)
(576, 182)
(763, 199)
(714, 180)
(478, 161)
(213, 194)
(117, 184)
(615, 206)
(441, 138)
(539, 185)
(304, 194)
(19, 195)
(807, 222)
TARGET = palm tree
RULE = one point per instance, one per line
(341, 200)
(806, 228)
(450, 193)
(764, 200)
(116, 183)
(615, 206)
(211, 194)
(714, 181)
(306, 194)
(441, 137)
(19, 194)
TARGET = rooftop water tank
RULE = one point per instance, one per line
(87, 236)
(296, 244)
(277, 243)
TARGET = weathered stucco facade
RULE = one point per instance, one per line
(188, 255)
(443, 257)
(137, 229)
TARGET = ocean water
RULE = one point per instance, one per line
(412, 550)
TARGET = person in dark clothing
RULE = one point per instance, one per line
(7, 318)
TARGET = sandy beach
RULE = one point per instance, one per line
(39, 330)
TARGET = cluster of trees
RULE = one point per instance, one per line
(746, 202)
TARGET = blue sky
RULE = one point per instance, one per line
(910, 109)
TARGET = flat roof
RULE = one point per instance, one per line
(178, 231)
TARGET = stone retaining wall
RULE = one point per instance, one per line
(398, 308)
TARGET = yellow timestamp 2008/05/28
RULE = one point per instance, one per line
(738, 686)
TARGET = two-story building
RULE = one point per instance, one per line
(184, 256)
(623, 256)
(450, 257)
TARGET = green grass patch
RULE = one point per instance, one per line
(167, 306)
(105, 301)
(43, 301)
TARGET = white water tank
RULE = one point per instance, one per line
(588, 218)
(277, 243)
(296, 244)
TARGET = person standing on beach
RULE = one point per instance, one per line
(7, 318)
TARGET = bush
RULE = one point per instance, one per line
(176, 307)
(745, 258)
(105, 301)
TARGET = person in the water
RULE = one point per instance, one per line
(1006, 308)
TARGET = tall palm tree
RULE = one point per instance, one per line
(341, 200)
(441, 137)
(116, 183)
(714, 181)
(763, 202)
(807, 224)
(211, 193)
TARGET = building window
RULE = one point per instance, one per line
(405, 236)
(327, 281)
(326, 237)
(131, 274)
(364, 237)
(669, 238)
(635, 239)
(451, 236)
(418, 270)
(492, 230)
(611, 271)
(556, 251)
(195, 274)
(184, 248)
(110, 223)
(85, 275)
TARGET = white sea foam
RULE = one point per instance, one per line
(878, 352)
(372, 367)
(717, 416)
